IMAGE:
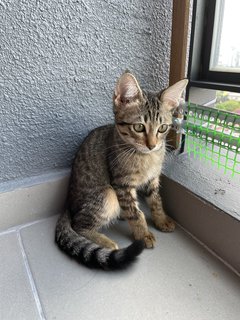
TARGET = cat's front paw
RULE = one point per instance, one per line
(165, 224)
(149, 240)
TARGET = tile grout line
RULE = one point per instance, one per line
(30, 278)
(22, 226)
(8, 231)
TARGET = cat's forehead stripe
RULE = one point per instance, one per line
(153, 110)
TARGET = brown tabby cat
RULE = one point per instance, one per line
(113, 163)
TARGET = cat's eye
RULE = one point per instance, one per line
(139, 127)
(163, 128)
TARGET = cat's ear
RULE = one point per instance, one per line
(172, 95)
(127, 90)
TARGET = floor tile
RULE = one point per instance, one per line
(16, 298)
(178, 280)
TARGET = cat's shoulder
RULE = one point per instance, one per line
(105, 128)
(99, 133)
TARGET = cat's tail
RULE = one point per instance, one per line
(90, 253)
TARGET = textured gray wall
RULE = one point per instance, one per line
(59, 62)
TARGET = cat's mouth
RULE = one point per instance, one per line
(145, 150)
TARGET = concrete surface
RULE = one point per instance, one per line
(59, 64)
(34, 198)
(206, 181)
(16, 298)
(216, 229)
(178, 280)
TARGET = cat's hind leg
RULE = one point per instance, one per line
(103, 212)
(101, 239)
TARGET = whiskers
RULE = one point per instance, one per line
(170, 156)
(123, 157)
(169, 148)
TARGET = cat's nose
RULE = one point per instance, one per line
(151, 146)
(151, 142)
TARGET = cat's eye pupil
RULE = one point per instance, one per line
(163, 128)
(138, 127)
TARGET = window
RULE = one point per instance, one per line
(213, 119)
(215, 45)
(225, 49)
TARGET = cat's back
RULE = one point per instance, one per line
(90, 161)
(97, 137)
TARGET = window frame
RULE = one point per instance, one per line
(199, 73)
(178, 56)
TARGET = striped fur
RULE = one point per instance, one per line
(112, 164)
(91, 254)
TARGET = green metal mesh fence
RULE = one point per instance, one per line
(214, 136)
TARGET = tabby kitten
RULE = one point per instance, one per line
(113, 163)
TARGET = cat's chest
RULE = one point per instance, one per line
(147, 168)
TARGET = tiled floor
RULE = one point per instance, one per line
(177, 280)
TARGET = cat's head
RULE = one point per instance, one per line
(142, 118)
